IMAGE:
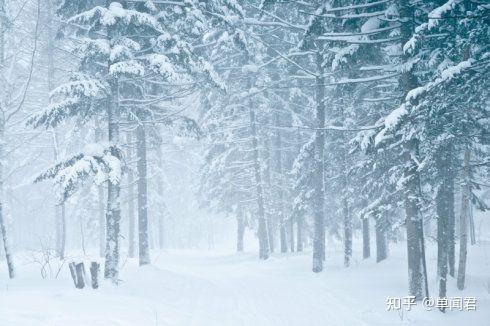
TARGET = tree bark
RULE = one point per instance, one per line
(299, 233)
(347, 233)
(262, 225)
(318, 195)
(463, 226)
(444, 210)
(270, 216)
(413, 220)
(143, 240)
(381, 239)
(366, 239)
(113, 213)
(99, 136)
(163, 213)
(131, 195)
(240, 231)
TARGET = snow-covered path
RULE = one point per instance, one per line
(199, 288)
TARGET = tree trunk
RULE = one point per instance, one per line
(99, 136)
(60, 210)
(163, 213)
(366, 239)
(240, 231)
(113, 213)
(414, 225)
(269, 214)
(262, 227)
(463, 226)
(347, 233)
(280, 185)
(413, 220)
(318, 195)
(291, 233)
(381, 239)
(444, 209)
(143, 241)
(299, 233)
(131, 195)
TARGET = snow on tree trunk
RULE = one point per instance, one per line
(262, 225)
(463, 222)
(100, 200)
(3, 223)
(60, 209)
(131, 206)
(270, 216)
(347, 233)
(113, 213)
(318, 192)
(413, 224)
(366, 239)
(413, 220)
(451, 235)
(143, 240)
(278, 178)
(381, 239)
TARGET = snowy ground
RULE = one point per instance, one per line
(201, 288)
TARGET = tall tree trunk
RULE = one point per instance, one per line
(99, 136)
(318, 195)
(413, 219)
(280, 185)
(131, 196)
(291, 232)
(3, 224)
(444, 209)
(451, 232)
(268, 172)
(113, 213)
(163, 213)
(60, 209)
(143, 241)
(463, 226)
(262, 227)
(366, 239)
(347, 233)
(381, 239)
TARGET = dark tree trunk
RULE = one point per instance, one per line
(444, 209)
(143, 240)
(381, 239)
(463, 226)
(366, 239)
(318, 195)
(94, 274)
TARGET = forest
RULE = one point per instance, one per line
(244, 162)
